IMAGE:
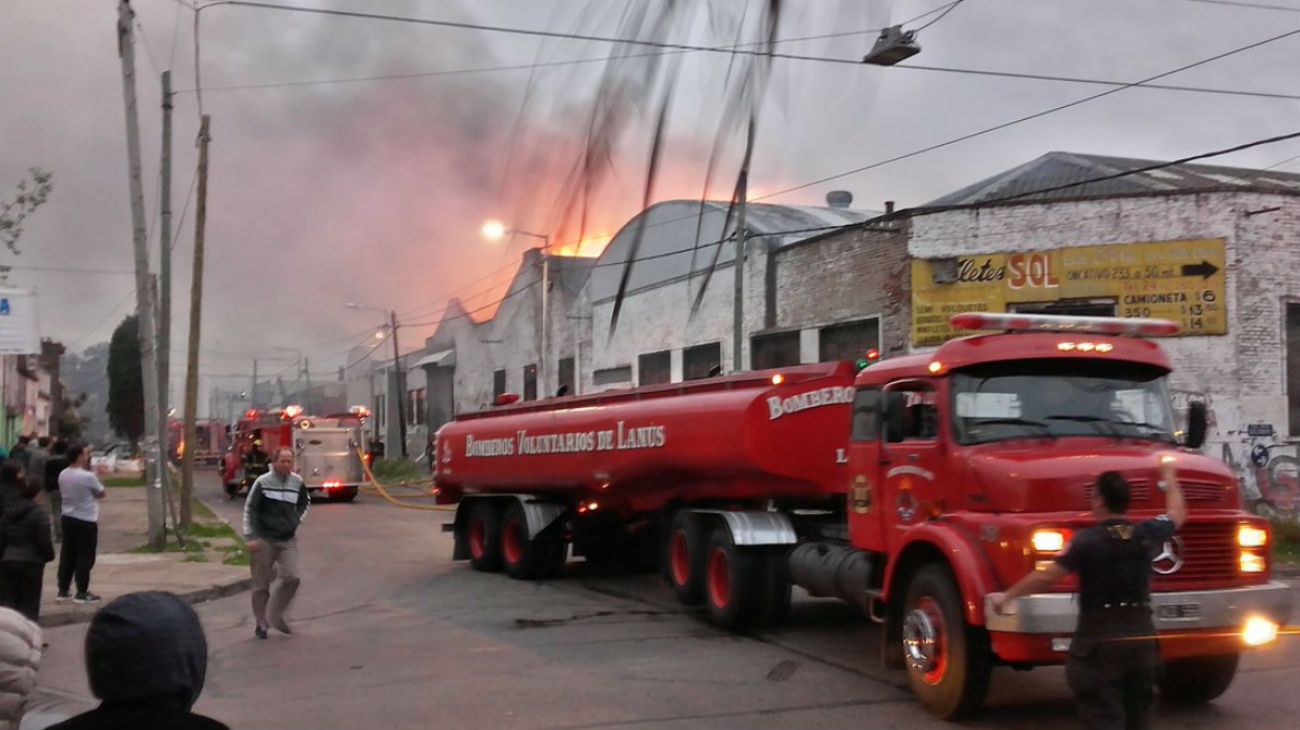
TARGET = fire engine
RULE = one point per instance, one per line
(325, 448)
(913, 488)
(210, 441)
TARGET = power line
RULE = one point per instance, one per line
(1029, 117)
(144, 40)
(681, 48)
(942, 15)
(530, 66)
(1137, 171)
(67, 269)
(1290, 159)
(1259, 6)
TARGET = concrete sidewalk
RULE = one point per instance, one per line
(195, 576)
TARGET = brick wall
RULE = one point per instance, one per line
(847, 276)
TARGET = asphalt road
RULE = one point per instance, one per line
(390, 633)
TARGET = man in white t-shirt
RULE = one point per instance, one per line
(80, 491)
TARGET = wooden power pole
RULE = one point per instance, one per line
(143, 284)
(196, 312)
(165, 284)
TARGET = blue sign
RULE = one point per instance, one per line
(4, 306)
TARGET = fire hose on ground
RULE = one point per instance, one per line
(376, 488)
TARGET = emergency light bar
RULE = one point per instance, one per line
(1061, 323)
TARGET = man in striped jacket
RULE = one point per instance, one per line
(276, 505)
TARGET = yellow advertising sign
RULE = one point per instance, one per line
(1178, 280)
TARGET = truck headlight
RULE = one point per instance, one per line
(1258, 631)
(1252, 562)
(1049, 540)
(1250, 536)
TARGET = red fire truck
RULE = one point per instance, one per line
(325, 448)
(210, 442)
(913, 489)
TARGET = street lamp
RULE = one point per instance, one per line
(400, 395)
(495, 230)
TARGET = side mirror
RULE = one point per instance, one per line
(895, 417)
(1197, 424)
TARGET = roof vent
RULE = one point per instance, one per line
(839, 198)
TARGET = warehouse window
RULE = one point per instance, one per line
(416, 403)
(702, 361)
(565, 374)
(613, 376)
(775, 350)
(530, 382)
(498, 383)
(1293, 365)
(848, 341)
(655, 368)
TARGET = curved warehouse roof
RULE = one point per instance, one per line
(669, 251)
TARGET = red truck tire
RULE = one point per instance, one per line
(1197, 680)
(948, 663)
(483, 534)
(732, 581)
(684, 558)
(523, 559)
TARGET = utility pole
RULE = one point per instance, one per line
(306, 372)
(165, 288)
(399, 398)
(143, 288)
(196, 312)
(738, 308)
(252, 391)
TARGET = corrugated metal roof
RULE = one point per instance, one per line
(1062, 168)
(681, 237)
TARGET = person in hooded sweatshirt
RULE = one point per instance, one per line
(20, 653)
(27, 545)
(146, 659)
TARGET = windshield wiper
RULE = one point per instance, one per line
(1103, 424)
(1047, 430)
(1160, 430)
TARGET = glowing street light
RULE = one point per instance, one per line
(494, 230)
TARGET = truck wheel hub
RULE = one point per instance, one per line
(923, 641)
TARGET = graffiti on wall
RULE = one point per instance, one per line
(1269, 470)
(1267, 467)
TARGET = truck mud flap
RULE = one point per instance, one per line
(756, 528)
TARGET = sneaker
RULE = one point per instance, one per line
(87, 597)
(260, 632)
(62, 596)
(281, 626)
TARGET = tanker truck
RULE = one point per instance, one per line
(912, 488)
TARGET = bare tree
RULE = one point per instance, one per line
(33, 191)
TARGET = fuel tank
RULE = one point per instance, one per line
(759, 435)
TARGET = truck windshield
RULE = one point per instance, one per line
(1060, 398)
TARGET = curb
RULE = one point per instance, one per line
(200, 595)
(1289, 570)
(211, 593)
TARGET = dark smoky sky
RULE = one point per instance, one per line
(374, 191)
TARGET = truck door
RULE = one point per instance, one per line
(910, 458)
(866, 527)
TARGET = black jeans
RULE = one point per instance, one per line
(77, 554)
(23, 581)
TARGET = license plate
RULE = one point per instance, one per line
(1178, 611)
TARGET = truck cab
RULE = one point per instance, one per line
(973, 465)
